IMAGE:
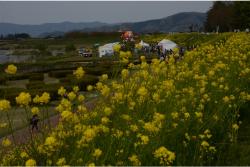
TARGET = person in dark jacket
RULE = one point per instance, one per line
(34, 122)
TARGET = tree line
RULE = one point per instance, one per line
(227, 16)
(14, 36)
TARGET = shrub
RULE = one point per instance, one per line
(83, 83)
(18, 76)
(3, 79)
(35, 84)
(36, 77)
(60, 73)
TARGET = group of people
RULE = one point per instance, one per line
(154, 48)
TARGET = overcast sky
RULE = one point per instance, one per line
(109, 12)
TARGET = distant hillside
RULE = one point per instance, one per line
(36, 30)
(175, 23)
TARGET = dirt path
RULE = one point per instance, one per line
(23, 135)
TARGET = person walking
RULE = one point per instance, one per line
(34, 122)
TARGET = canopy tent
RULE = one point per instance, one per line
(167, 44)
(107, 49)
(143, 44)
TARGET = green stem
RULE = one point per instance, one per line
(27, 118)
(48, 118)
(11, 128)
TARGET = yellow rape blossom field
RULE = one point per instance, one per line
(159, 113)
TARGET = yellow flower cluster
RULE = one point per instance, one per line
(61, 91)
(30, 162)
(153, 105)
(79, 73)
(6, 142)
(97, 153)
(43, 99)
(135, 161)
(23, 99)
(11, 69)
(124, 56)
(166, 157)
(4, 105)
(35, 110)
(117, 47)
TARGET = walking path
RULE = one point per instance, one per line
(23, 135)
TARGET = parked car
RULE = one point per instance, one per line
(84, 52)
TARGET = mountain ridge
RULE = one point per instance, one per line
(179, 22)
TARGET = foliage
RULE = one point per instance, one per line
(36, 77)
(15, 36)
(227, 16)
(242, 15)
(163, 113)
(70, 47)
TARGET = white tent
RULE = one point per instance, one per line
(167, 44)
(143, 44)
(107, 49)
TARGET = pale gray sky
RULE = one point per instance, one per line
(86, 11)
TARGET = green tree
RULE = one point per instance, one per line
(241, 18)
(220, 17)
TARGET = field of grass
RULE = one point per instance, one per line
(86, 41)
(189, 112)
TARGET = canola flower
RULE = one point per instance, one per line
(61, 91)
(35, 110)
(4, 105)
(142, 91)
(79, 73)
(166, 157)
(135, 160)
(3, 125)
(125, 73)
(124, 56)
(30, 162)
(104, 77)
(90, 88)
(117, 47)
(97, 153)
(81, 98)
(11, 69)
(43, 99)
(61, 162)
(76, 89)
(71, 96)
(24, 154)
(50, 141)
(235, 127)
(6, 142)
(23, 99)
(139, 119)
